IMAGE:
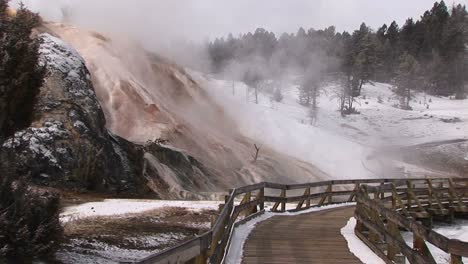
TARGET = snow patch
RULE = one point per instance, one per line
(357, 247)
(58, 55)
(37, 139)
(111, 207)
(457, 230)
(80, 126)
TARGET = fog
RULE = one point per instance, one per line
(179, 29)
(160, 22)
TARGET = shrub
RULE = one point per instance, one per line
(29, 218)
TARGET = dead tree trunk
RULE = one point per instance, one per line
(257, 149)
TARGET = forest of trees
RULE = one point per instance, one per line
(429, 54)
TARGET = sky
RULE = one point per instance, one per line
(202, 19)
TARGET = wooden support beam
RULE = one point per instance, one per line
(420, 246)
(324, 198)
(396, 196)
(307, 200)
(458, 202)
(356, 189)
(431, 190)
(392, 249)
(277, 204)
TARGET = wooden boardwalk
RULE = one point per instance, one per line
(307, 238)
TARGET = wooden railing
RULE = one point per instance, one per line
(412, 208)
(249, 201)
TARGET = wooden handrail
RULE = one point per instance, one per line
(379, 224)
(212, 246)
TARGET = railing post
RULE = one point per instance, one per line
(324, 198)
(283, 204)
(202, 258)
(261, 195)
(307, 199)
(420, 245)
(454, 259)
(277, 204)
(356, 189)
(392, 251)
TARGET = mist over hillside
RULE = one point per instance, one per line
(112, 109)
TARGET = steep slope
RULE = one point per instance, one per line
(144, 97)
(67, 143)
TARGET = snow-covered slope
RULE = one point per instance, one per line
(381, 123)
(286, 127)
(344, 147)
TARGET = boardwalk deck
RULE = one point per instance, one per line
(307, 238)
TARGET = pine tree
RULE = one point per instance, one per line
(278, 95)
(407, 79)
(20, 73)
(454, 51)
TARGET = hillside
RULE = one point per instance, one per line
(382, 141)
(146, 98)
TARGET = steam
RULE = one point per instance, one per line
(179, 28)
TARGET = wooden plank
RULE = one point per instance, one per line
(315, 238)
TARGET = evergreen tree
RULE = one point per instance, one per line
(20, 73)
(437, 41)
(454, 51)
(278, 95)
(407, 79)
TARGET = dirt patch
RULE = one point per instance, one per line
(146, 232)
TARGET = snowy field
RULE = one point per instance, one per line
(287, 126)
(116, 207)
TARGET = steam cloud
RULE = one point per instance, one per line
(158, 23)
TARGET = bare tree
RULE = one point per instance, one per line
(257, 149)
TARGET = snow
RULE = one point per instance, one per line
(37, 140)
(59, 56)
(457, 230)
(80, 126)
(341, 147)
(357, 247)
(240, 234)
(285, 127)
(112, 207)
(386, 124)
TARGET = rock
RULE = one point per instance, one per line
(67, 145)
